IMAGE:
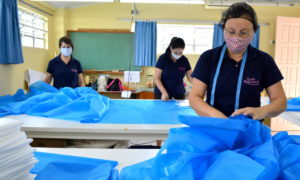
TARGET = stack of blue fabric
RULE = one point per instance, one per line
(228, 149)
(63, 167)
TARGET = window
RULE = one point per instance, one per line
(33, 29)
(197, 38)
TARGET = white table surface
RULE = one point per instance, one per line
(291, 116)
(125, 157)
(40, 127)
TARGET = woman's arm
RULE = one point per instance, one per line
(198, 104)
(48, 78)
(80, 80)
(277, 104)
(188, 75)
(160, 86)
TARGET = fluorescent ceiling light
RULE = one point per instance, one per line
(165, 1)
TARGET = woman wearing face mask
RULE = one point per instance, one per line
(234, 74)
(171, 67)
(64, 69)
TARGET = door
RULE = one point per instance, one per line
(287, 54)
(287, 57)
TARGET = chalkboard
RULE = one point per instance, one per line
(104, 51)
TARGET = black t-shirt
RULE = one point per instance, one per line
(64, 75)
(172, 74)
(260, 72)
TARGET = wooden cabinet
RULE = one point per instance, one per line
(145, 95)
(134, 95)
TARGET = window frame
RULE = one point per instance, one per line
(194, 27)
(34, 26)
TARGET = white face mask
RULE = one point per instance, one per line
(66, 51)
(176, 56)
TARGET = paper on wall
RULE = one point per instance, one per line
(132, 76)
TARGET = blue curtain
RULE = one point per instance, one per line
(145, 43)
(218, 38)
(10, 39)
(255, 41)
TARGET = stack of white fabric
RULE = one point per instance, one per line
(16, 155)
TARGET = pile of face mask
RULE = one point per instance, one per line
(16, 155)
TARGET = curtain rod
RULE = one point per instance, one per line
(36, 8)
(181, 21)
(170, 20)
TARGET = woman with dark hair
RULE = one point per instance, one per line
(65, 69)
(233, 75)
(171, 67)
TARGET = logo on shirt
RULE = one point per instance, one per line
(74, 70)
(251, 81)
(181, 68)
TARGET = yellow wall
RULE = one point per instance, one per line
(107, 15)
(12, 76)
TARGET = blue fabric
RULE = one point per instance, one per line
(145, 43)
(85, 105)
(218, 37)
(293, 104)
(56, 167)
(288, 148)
(64, 75)
(81, 104)
(145, 112)
(260, 72)
(212, 149)
(10, 39)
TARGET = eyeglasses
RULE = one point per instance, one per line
(242, 34)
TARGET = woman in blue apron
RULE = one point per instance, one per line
(170, 70)
(233, 75)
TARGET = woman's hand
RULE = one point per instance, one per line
(218, 114)
(165, 97)
(257, 113)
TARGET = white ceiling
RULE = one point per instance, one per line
(72, 3)
(80, 3)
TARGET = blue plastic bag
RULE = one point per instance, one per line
(288, 148)
(212, 148)
(57, 167)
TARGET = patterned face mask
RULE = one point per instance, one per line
(237, 44)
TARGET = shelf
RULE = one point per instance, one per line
(102, 72)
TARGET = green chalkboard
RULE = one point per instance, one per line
(104, 51)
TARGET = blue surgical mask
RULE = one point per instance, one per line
(66, 51)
